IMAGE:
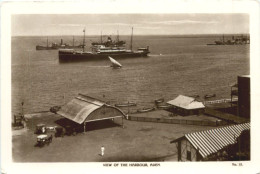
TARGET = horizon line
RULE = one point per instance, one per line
(137, 34)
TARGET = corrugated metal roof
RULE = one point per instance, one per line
(79, 108)
(211, 141)
(186, 102)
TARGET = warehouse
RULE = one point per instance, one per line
(198, 146)
(185, 106)
(83, 109)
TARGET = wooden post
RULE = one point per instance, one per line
(22, 106)
(231, 97)
(128, 107)
(122, 122)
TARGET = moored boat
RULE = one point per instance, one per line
(125, 104)
(55, 46)
(194, 96)
(209, 96)
(145, 110)
(163, 106)
(160, 100)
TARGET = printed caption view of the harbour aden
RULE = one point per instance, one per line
(160, 57)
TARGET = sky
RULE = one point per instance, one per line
(143, 24)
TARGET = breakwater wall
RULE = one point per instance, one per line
(178, 121)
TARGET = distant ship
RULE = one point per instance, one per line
(238, 40)
(55, 46)
(101, 50)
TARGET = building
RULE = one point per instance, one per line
(184, 105)
(241, 91)
(83, 109)
(199, 146)
(243, 83)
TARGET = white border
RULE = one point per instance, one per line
(127, 6)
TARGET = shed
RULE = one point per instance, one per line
(184, 105)
(83, 109)
(197, 146)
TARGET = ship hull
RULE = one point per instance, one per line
(56, 47)
(73, 56)
(45, 48)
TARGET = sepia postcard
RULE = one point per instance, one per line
(130, 86)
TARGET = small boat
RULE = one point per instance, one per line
(163, 106)
(145, 110)
(125, 104)
(160, 100)
(55, 109)
(115, 64)
(209, 96)
(194, 96)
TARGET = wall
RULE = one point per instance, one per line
(177, 121)
(185, 147)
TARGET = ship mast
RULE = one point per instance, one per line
(117, 36)
(84, 40)
(47, 42)
(131, 46)
(101, 37)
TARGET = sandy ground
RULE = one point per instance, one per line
(137, 141)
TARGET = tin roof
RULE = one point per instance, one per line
(211, 141)
(186, 102)
(79, 108)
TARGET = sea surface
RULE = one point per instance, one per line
(176, 65)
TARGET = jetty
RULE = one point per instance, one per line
(220, 101)
(225, 116)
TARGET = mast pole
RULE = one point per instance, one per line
(101, 37)
(132, 40)
(47, 42)
(117, 36)
(84, 40)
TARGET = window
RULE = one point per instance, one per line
(188, 155)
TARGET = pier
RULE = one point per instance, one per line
(225, 116)
(220, 101)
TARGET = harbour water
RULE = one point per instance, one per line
(176, 65)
